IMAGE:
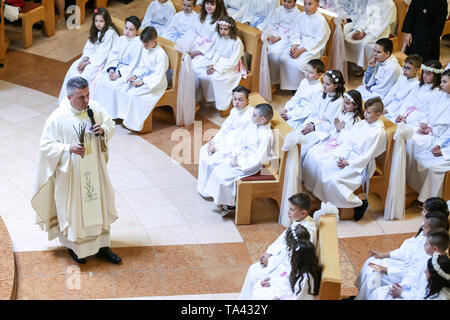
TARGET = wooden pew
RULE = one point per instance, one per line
(170, 96)
(328, 252)
(402, 9)
(379, 182)
(33, 12)
(263, 186)
(4, 43)
(411, 194)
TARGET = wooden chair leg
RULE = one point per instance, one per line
(27, 33)
(346, 213)
(148, 125)
(243, 204)
(101, 3)
(226, 113)
(49, 21)
(82, 5)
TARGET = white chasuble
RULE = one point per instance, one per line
(60, 186)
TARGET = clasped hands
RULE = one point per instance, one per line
(308, 128)
(134, 82)
(358, 35)
(296, 52)
(210, 69)
(424, 129)
(113, 75)
(83, 63)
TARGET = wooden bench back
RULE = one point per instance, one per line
(384, 160)
(251, 39)
(168, 46)
(402, 9)
(328, 248)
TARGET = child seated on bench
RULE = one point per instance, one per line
(382, 72)
(299, 206)
(137, 97)
(350, 165)
(218, 70)
(181, 27)
(259, 12)
(158, 15)
(251, 150)
(102, 35)
(236, 8)
(125, 53)
(301, 105)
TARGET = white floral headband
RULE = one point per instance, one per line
(438, 268)
(333, 76)
(349, 97)
(434, 70)
(224, 23)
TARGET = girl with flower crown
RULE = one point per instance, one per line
(327, 104)
(438, 276)
(102, 34)
(220, 69)
(276, 253)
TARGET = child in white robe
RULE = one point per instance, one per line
(387, 268)
(126, 50)
(259, 12)
(236, 8)
(137, 97)
(404, 85)
(301, 104)
(205, 27)
(295, 279)
(350, 115)
(221, 146)
(413, 285)
(103, 32)
(382, 72)
(276, 253)
(308, 39)
(217, 70)
(327, 105)
(374, 24)
(438, 276)
(425, 169)
(158, 15)
(253, 148)
(415, 107)
(277, 33)
(350, 165)
(181, 26)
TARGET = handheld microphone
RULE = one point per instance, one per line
(90, 114)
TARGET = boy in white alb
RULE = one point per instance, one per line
(375, 23)
(181, 26)
(221, 146)
(252, 149)
(404, 86)
(299, 206)
(137, 97)
(308, 39)
(277, 32)
(351, 164)
(158, 15)
(301, 104)
(259, 12)
(382, 73)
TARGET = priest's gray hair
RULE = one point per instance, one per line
(76, 83)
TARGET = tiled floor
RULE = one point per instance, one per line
(173, 243)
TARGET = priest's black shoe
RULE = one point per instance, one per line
(359, 211)
(75, 257)
(106, 253)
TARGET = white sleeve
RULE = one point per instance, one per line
(158, 76)
(223, 64)
(101, 54)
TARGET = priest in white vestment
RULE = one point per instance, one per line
(158, 15)
(73, 196)
(350, 165)
(382, 72)
(252, 149)
(308, 39)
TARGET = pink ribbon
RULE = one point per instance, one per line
(205, 40)
(409, 111)
(241, 69)
(331, 144)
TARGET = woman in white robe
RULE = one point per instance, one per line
(158, 15)
(374, 24)
(277, 34)
(307, 41)
(95, 52)
(121, 60)
(138, 96)
(217, 70)
(351, 164)
(259, 12)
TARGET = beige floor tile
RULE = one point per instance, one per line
(145, 198)
(129, 237)
(130, 180)
(17, 113)
(216, 232)
(162, 216)
(173, 235)
(172, 177)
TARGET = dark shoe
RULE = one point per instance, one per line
(229, 208)
(107, 254)
(349, 298)
(359, 211)
(75, 257)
